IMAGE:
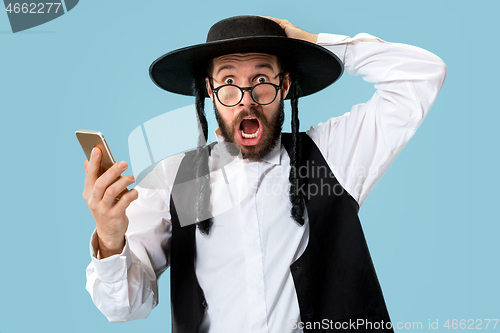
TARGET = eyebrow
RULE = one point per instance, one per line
(265, 65)
(259, 66)
(224, 67)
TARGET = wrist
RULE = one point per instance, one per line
(109, 247)
(313, 38)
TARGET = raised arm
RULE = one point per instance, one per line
(360, 145)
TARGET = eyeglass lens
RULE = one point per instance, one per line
(262, 94)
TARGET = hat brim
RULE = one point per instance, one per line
(314, 67)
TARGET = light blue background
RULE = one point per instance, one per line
(430, 223)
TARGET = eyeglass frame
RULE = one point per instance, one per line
(250, 89)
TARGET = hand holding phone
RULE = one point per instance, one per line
(91, 139)
(103, 184)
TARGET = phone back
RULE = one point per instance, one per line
(90, 139)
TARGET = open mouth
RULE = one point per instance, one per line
(250, 130)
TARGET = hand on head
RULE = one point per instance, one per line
(294, 32)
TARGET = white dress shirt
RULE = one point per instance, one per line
(243, 265)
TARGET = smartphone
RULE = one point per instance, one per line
(90, 139)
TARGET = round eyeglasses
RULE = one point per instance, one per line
(231, 95)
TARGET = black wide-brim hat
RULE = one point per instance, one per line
(313, 66)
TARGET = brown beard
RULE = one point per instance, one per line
(271, 131)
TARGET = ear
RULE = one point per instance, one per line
(209, 90)
(287, 82)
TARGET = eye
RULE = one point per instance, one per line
(261, 79)
(229, 80)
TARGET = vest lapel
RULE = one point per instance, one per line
(334, 278)
(188, 301)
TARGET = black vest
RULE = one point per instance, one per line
(336, 284)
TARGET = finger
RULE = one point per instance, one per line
(107, 178)
(85, 164)
(291, 30)
(277, 20)
(126, 200)
(115, 189)
(94, 163)
(272, 18)
(92, 169)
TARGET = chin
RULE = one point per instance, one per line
(253, 153)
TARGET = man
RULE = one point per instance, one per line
(292, 259)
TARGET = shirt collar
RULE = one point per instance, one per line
(273, 157)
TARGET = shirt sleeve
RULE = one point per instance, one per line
(360, 145)
(124, 286)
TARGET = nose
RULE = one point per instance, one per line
(247, 99)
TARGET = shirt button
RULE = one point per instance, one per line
(204, 304)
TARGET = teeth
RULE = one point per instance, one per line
(249, 136)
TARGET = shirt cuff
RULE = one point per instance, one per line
(334, 43)
(331, 39)
(338, 43)
(113, 268)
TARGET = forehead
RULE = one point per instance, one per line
(250, 61)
